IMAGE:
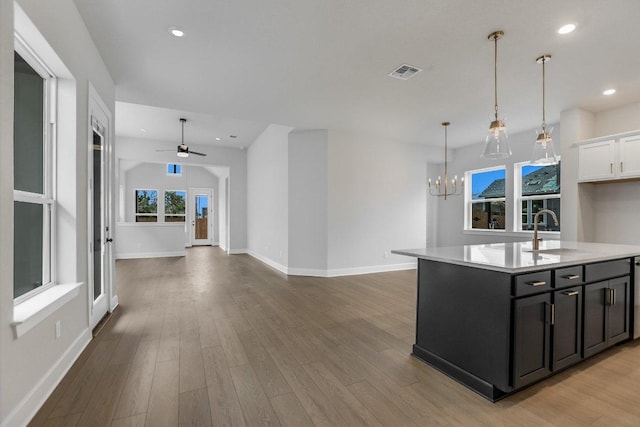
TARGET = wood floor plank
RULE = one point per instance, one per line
(163, 400)
(191, 366)
(132, 421)
(231, 344)
(194, 408)
(289, 411)
(255, 404)
(105, 397)
(135, 395)
(223, 400)
(382, 408)
(268, 373)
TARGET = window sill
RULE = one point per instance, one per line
(31, 312)
(551, 235)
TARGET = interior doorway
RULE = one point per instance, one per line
(201, 216)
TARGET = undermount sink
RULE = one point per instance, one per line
(555, 251)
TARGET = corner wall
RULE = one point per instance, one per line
(268, 198)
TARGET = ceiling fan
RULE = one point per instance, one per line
(183, 150)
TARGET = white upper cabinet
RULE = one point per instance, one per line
(616, 158)
(629, 157)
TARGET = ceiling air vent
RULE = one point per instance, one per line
(405, 72)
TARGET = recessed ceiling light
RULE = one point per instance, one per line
(566, 29)
(143, 130)
(217, 139)
(609, 92)
(176, 31)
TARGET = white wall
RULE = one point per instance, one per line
(308, 201)
(31, 365)
(267, 196)
(377, 201)
(153, 176)
(233, 159)
(149, 240)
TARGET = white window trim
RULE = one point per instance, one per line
(519, 198)
(164, 207)
(49, 171)
(158, 204)
(468, 201)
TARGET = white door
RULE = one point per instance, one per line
(100, 268)
(201, 216)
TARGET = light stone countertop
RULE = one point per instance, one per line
(519, 258)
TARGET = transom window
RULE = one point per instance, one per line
(33, 193)
(174, 169)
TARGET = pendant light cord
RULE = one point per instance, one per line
(495, 74)
(544, 125)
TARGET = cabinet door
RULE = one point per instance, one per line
(629, 157)
(531, 339)
(596, 161)
(567, 327)
(595, 317)
(618, 321)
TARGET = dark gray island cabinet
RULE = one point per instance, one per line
(497, 325)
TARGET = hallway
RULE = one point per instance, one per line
(212, 339)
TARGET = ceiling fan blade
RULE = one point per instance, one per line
(196, 153)
(162, 151)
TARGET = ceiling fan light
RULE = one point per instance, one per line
(183, 154)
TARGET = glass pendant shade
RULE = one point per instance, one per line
(543, 152)
(497, 145)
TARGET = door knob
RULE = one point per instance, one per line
(109, 240)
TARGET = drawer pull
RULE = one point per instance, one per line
(571, 277)
(571, 293)
(537, 283)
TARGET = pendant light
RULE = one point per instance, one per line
(543, 153)
(496, 145)
(441, 187)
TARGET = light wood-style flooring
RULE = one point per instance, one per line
(212, 339)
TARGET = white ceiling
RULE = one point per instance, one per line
(324, 63)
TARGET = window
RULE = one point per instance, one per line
(146, 205)
(174, 169)
(174, 206)
(537, 187)
(486, 204)
(33, 194)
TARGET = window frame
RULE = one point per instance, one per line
(47, 200)
(135, 207)
(519, 198)
(164, 207)
(469, 201)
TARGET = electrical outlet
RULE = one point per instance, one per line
(58, 329)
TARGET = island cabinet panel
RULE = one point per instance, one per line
(532, 283)
(567, 328)
(463, 320)
(532, 330)
(606, 314)
(569, 276)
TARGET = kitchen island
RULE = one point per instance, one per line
(499, 317)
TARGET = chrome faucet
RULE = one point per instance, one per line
(536, 241)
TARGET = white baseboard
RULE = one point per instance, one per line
(271, 263)
(335, 272)
(237, 251)
(32, 402)
(114, 303)
(150, 255)
(371, 269)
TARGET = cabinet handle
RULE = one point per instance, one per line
(571, 277)
(571, 293)
(613, 297)
(538, 283)
(553, 314)
(620, 166)
(611, 167)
